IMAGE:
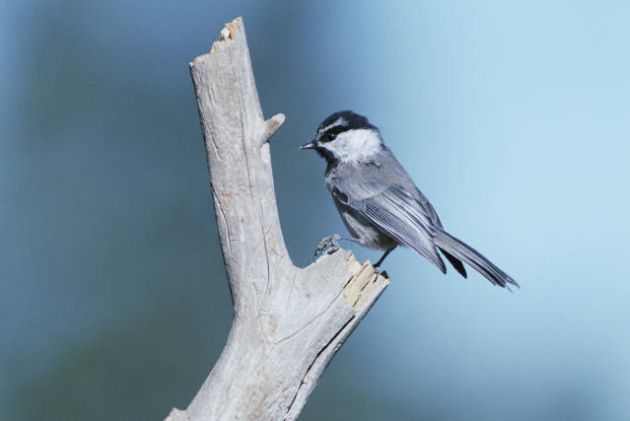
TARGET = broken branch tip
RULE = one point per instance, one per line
(272, 126)
(229, 31)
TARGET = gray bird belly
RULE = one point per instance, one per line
(365, 232)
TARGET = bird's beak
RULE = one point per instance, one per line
(309, 145)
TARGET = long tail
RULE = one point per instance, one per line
(473, 258)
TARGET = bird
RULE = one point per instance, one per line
(379, 202)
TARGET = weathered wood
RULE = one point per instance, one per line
(288, 321)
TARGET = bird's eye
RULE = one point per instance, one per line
(330, 137)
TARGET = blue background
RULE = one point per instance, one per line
(513, 118)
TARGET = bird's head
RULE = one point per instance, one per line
(346, 137)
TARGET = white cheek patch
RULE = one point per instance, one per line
(355, 145)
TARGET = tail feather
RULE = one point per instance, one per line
(462, 251)
(455, 262)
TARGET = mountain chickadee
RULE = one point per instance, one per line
(379, 202)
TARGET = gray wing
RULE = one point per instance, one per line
(401, 217)
(385, 195)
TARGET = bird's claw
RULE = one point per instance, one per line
(328, 245)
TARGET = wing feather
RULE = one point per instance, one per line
(402, 217)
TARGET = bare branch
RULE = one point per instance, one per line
(288, 321)
(272, 126)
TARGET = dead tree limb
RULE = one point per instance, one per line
(288, 321)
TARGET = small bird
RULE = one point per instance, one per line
(379, 202)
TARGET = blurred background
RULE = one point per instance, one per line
(514, 119)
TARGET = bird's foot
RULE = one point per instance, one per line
(328, 245)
